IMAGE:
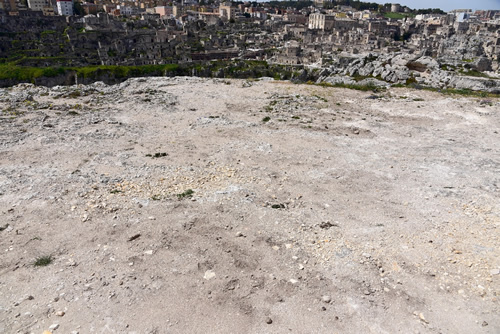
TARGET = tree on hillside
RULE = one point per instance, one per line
(78, 9)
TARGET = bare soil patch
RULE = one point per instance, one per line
(188, 205)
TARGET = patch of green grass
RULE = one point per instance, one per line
(266, 119)
(364, 88)
(397, 16)
(43, 261)
(26, 73)
(474, 73)
(124, 71)
(73, 94)
(463, 92)
(187, 193)
(320, 98)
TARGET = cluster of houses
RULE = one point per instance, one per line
(157, 31)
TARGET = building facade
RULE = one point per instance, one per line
(37, 4)
(321, 21)
(65, 7)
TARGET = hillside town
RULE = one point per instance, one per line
(352, 40)
(325, 166)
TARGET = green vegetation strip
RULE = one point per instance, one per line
(238, 70)
(24, 73)
(123, 71)
(27, 73)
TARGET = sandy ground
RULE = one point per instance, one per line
(341, 212)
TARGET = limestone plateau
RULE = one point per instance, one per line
(198, 205)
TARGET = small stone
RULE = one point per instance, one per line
(269, 321)
(53, 327)
(301, 267)
(239, 234)
(209, 274)
(276, 248)
(30, 297)
(326, 299)
(294, 281)
(386, 289)
(151, 218)
(323, 308)
(495, 271)
(46, 332)
(484, 324)
(149, 252)
(60, 313)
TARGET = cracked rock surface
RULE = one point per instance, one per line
(189, 205)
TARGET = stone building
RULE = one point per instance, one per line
(65, 7)
(320, 21)
(227, 11)
(164, 10)
(395, 8)
(37, 4)
(8, 5)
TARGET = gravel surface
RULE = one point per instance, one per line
(189, 205)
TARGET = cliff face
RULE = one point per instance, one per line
(56, 42)
(413, 69)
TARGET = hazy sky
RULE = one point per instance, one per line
(445, 5)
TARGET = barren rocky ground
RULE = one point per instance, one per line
(188, 205)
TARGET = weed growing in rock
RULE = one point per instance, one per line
(187, 193)
(43, 261)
